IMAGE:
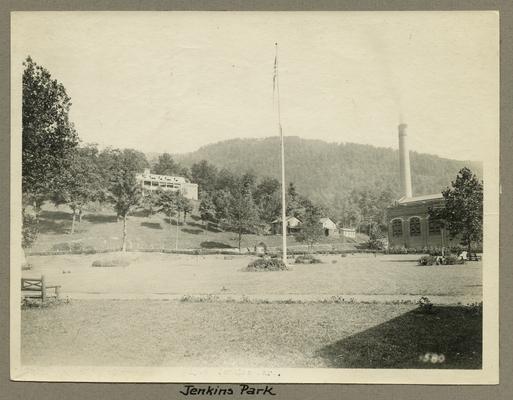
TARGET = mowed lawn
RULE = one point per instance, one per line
(178, 274)
(113, 318)
(102, 231)
(170, 333)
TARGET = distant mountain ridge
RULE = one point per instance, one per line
(327, 172)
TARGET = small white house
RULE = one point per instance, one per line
(329, 227)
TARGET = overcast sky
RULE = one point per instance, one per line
(176, 81)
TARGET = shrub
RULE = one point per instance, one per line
(267, 264)
(76, 247)
(451, 259)
(68, 247)
(427, 260)
(375, 242)
(435, 251)
(29, 230)
(397, 250)
(61, 247)
(425, 305)
(112, 262)
(89, 250)
(307, 259)
(73, 247)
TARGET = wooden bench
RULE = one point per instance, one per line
(37, 288)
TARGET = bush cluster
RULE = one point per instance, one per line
(267, 264)
(403, 250)
(307, 259)
(73, 247)
(427, 260)
(432, 251)
(112, 262)
(449, 259)
(425, 305)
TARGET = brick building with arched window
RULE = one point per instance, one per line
(409, 224)
(408, 218)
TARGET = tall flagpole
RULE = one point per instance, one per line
(276, 87)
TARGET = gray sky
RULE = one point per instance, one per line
(176, 81)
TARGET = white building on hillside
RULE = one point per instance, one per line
(330, 228)
(150, 181)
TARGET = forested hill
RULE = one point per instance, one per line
(326, 172)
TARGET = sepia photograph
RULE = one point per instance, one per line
(297, 197)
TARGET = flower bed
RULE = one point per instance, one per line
(266, 264)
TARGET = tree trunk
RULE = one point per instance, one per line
(240, 238)
(176, 241)
(123, 248)
(80, 216)
(37, 210)
(73, 217)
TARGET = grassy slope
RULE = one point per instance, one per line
(163, 333)
(101, 231)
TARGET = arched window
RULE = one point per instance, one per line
(397, 228)
(414, 226)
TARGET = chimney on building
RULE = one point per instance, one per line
(404, 162)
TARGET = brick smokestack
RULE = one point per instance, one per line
(404, 161)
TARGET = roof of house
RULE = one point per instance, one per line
(289, 218)
(423, 198)
(325, 219)
(157, 177)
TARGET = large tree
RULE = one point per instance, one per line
(268, 199)
(124, 192)
(204, 174)
(311, 228)
(207, 210)
(48, 135)
(242, 212)
(462, 213)
(167, 203)
(80, 183)
(185, 206)
(222, 202)
(166, 165)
